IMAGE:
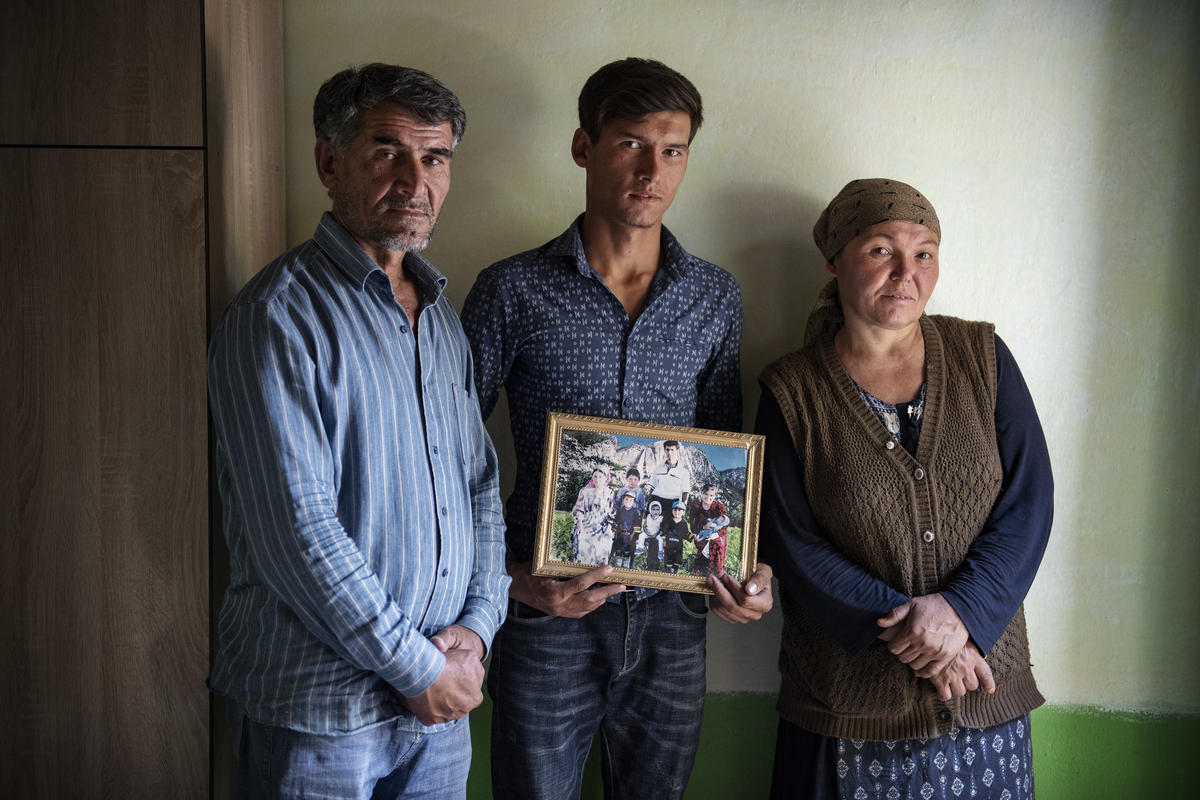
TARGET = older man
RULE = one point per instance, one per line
(358, 483)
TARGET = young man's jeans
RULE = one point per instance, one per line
(382, 761)
(633, 669)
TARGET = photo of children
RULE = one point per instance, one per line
(678, 512)
(650, 542)
(675, 534)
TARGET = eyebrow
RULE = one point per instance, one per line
(643, 139)
(923, 242)
(393, 142)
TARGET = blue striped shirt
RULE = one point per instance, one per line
(359, 489)
(545, 327)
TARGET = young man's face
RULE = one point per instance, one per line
(634, 167)
(631, 481)
(672, 455)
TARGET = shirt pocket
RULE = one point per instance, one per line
(473, 446)
(667, 368)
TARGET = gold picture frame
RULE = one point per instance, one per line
(586, 520)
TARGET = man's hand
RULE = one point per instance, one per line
(561, 598)
(966, 672)
(457, 690)
(737, 603)
(925, 633)
(459, 637)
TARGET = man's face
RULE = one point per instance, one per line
(672, 454)
(631, 481)
(388, 186)
(627, 501)
(709, 496)
(634, 167)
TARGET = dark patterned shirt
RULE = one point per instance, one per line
(543, 325)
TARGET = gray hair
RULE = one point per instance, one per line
(343, 99)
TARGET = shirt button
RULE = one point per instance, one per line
(943, 716)
(919, 473)
(443, 511)
(445, 572)
(404, 329)
(435, 450)
(890, 445)
(927, 536)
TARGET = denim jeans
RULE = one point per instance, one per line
(633, 670)
(382, 761)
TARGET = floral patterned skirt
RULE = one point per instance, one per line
(990, 764)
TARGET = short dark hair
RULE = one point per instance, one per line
(343, 99)
(670, 443)
(708, 486)
(632, 471)
(633, 88)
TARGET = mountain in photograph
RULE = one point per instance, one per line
(582, 451)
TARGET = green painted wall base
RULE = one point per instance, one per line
(1079, 753)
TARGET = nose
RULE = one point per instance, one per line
(903, 267)
(648, 165)
(406, 175)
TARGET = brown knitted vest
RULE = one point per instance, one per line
(878, 505)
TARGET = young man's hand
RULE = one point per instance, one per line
(741, 603)
(574, 597)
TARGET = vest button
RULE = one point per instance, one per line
(919, 473)
(943, 716)
(890, 445)
(927, 536)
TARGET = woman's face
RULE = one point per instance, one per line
(886, 274)
(599, 478)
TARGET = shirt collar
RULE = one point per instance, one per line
(349, 257)
(676, 261)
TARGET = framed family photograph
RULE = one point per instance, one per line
(666, 506)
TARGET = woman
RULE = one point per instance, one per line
(591, 536)
(907, 502)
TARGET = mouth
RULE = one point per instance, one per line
(406, 207)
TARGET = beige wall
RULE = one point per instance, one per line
(1059, 143)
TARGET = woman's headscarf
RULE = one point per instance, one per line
(860, 204)
(869, 201)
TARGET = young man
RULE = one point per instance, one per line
(359, 487)
(670, 480)
(584, 324)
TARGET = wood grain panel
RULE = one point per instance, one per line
(85, 72)
(103, 511)
(246, 209)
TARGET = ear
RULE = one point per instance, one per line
(581, 146)
(327, 161)
(831, 268)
